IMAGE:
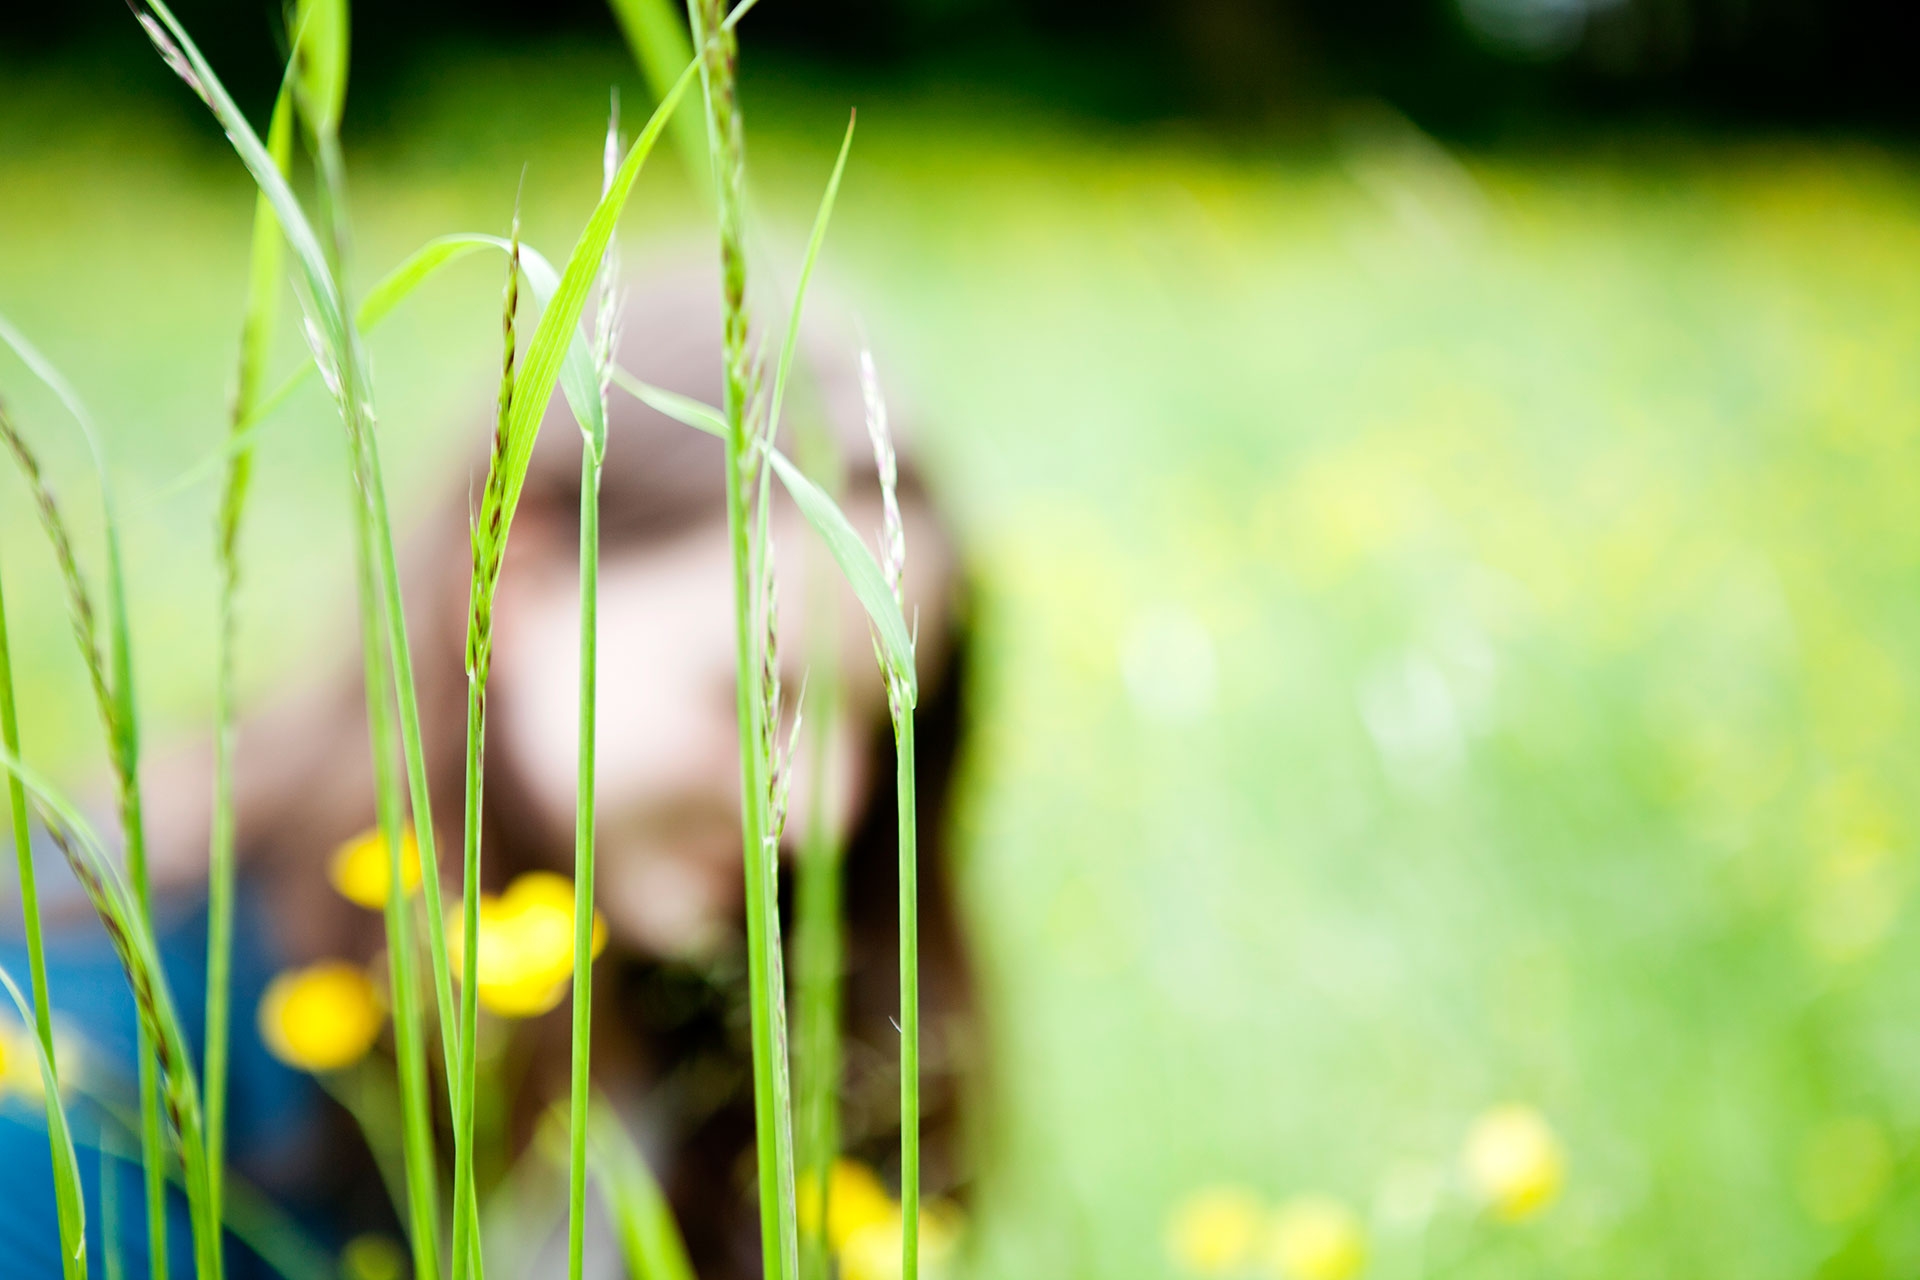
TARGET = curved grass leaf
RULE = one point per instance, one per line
(862, 571)
(69, 1205)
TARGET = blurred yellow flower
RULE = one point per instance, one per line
(872, 1250)
(321, 1018)
(1216, 1230)
(526, 944)
(1317, 1238)
(1513, 1161)
(20, 1062)
(855, 1199)
(359, 869)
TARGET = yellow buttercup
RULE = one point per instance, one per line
(321, 1018)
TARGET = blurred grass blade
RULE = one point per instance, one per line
(68, 1203)
(682, 409)
(321, 43)
(657, 36)
(650, 1240)
(862, 571)
(819, 235)
(265, 261)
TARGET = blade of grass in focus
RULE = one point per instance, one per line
(489, 546)
(901, 693)
(69, 1207)
(773, 1115)
(593, 450)
(546, 363)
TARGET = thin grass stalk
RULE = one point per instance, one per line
(773, 1121)
(909, 996)
(385, 656)
(256, 339)
(583, 860)
(357, 410)
(900, 706)
(593, 445)
(66, 1185)
(340, 359)
(489, 545)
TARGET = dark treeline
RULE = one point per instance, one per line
(1459, 67)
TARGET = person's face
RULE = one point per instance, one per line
(668, 765)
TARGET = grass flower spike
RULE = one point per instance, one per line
(358, 869)
(321, 1018)
(1513, 1161)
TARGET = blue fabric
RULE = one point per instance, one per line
(93, 1004)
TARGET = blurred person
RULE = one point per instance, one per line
(670, 1048)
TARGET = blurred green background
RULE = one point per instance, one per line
(1446, 613)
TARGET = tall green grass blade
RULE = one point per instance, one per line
(337, 349)
(36, 945)
(487, 552)
(583, 856)
(551, 357)
(907, 804)
(68, 1204)
(113, 696)
(118, 908)
(779, 1242)
(256, 341)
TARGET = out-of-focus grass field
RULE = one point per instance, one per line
(1448, 630)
